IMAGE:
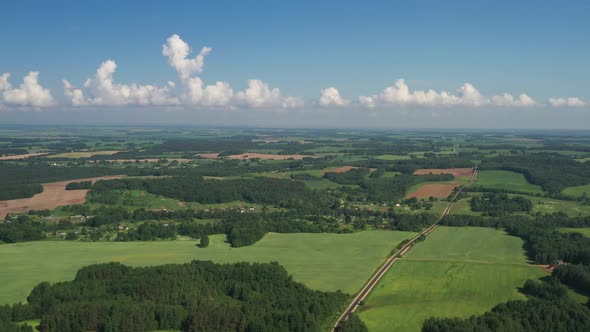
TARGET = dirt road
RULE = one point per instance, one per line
(385, 267)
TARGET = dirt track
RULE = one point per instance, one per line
(54, 194)
(383, 269)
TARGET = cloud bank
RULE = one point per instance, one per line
(191, 92)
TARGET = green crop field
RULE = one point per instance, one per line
(322, 261)
(578, 191)
(455, 272)
(505, 180)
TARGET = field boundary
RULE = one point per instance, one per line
(376, 277)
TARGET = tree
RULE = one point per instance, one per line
(204, 241)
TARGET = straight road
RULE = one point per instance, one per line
(385, 267)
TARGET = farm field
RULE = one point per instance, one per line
(457, 172)
(578, 191)
(54, 194)
(83, 154)
(456, 271)
(22, 156)
(438, 190)
(505, 180)
(324, 261)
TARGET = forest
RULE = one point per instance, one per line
(197, 296)
(499, 204)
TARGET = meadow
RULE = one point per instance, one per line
(578, 191)
(505, 180)
(584, 231)
(455, 272)
(322, 261)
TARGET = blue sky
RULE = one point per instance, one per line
(540, 49)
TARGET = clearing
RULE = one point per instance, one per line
(54, 194)
(579, 191)
(22, 156)
(322, 261)
(438, 190)
(505, 180)
(455, 272)
(456, 172)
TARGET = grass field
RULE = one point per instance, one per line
(505, 180)
(583, 231)
(578, 191)
(548, 205)
(321, 261)
(455, 272)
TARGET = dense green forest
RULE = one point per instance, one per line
(499, 204)
(198, 296)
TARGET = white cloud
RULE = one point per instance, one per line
(507, 100)
(260, 95)
(467, 95)
(567, 102)
(29, 93)
(177, 51)
(331, 97)
(102, 90)
(220, 94)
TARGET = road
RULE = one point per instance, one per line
(385, 267)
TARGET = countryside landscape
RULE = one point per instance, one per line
(451, 227)
(305, 166)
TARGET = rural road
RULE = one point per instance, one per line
(385, 267)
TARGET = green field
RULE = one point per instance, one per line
(505, 180)
(583, 231)
(322, 261)
(578, 191)
(548, 205)
(455, 272)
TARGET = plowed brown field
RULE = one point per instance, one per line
(54, 194)
(458, 172)
(438, 190)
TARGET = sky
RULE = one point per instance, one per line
(416, 64)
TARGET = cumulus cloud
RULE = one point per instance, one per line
(466, 95)
(102, 90)
(259, 95)
(30, 93)
(567, 102)
(507, 100)
(331, 97)
(400, 94)
(177, 51)
(217, 95)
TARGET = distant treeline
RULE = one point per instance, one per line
(553, 172)
(24, 181)
(79, 185)
(198, 296)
